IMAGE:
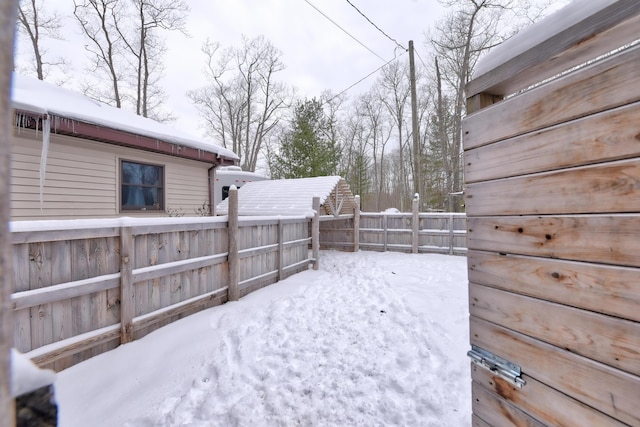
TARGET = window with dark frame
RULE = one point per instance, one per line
(141, 186)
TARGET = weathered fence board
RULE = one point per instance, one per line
(498, 412)
(602, 387)
(600, 288)
(433, 233)
(552, 173)
(559, 409)
(573, 97)
(605, 136)
(607, 239)
(577, 39)
(604, 188)
(578, 331)
(86, 294)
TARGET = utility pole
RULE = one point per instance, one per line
(8, 14)
(417, 175)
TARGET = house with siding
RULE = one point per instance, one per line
(73, 157)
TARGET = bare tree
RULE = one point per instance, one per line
(8, 12)
(375, 120)
(147, 49)
(242, 102)
(394, 91)
(473, 27)
(36, 23)
(99, 20)
(127, 49)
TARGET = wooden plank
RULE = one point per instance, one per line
(602, 387)
(165, 281)
(600, 288)
(606, 239)
(598, 138)
(315, 232)
(140, 288)
(281, 260)
(498, 412)
(55, 235)
(207, 224)
(542, 402)
(21, 318)
(573, 97)
(64, 291)
(74, 345)
(127, 297)
(113, 294)
(257, 251)
(165, 313)
(154, 284)
(478, 422)
(579, 331)
(604, 188)
(194, 252)
(61, 272)
(39, 277)
(258, 222)
(575, 43)
(233, 259)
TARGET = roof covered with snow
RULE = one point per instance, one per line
(284, 196)
(570, 15)
(33, 95)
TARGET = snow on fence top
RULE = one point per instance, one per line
(281, 196)
(577, 33)
(40, 97)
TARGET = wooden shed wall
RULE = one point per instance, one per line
(82, 179)
(553, 204)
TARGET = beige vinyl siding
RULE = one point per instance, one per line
(83, 178)
(186, 188)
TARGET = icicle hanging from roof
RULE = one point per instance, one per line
(46, 132)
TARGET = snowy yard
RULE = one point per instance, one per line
(371, 339)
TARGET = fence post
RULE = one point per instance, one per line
(280, 249)
(415, 223)
(450, 233)
(356, 226)
(8, 10)
(315, 233)
(233, 259)
(127, 296)
(385, 226)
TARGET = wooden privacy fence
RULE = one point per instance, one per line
(84, 287)
(553, 205)
(413, 232)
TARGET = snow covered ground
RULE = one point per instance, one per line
(370, 339)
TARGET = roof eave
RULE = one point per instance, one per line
(94, 132)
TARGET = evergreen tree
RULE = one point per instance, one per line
(307, 148)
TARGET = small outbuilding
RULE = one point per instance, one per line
(74, 157)
(293, 197)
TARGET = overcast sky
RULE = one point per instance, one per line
(318, 55)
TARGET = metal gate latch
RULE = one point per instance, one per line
(496, 364)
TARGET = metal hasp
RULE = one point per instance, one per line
(496, 364)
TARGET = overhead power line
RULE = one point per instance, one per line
(345, 31)
(376, 27)
(364, 78)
